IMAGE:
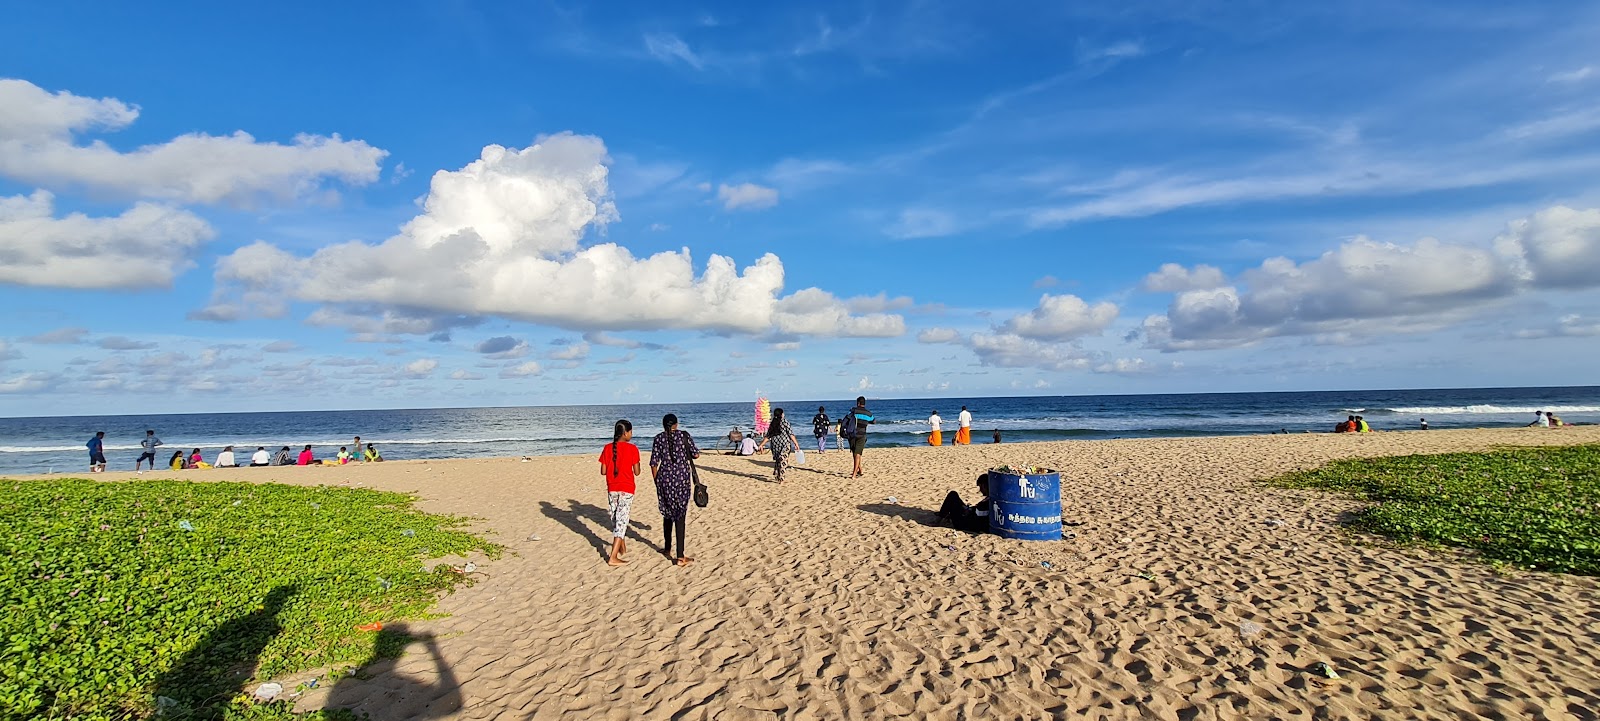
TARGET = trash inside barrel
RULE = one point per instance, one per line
(1027, 504)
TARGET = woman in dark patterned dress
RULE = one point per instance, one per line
(670, 454)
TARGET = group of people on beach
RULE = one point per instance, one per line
(364, 452)
(672, 455)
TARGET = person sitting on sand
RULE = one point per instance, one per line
(972, 519)
(283, 457)
(372, 454)
(225, 458)
(1554, 421)
(176, 462)
(344, 455)
(1361, 425)
(260, 458)
(195, 459)
(747, 447)
(1346, 426)
(307, 458)
(1540, 420)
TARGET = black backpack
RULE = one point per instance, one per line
(849, 426)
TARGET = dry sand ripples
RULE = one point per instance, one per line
(819, 599)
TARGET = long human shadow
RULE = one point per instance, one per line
(601, 542)
(726, 472)
(219, 665)
(412, 699)
(910, 513)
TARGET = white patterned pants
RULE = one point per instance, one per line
(621, 504)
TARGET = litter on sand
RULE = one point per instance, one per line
(1324, 669)
(1250, 629)
(267, 691)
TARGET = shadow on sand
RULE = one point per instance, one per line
(910, 513)
(577, 512)
(412, 697)
(220, 665)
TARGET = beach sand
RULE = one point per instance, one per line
(818, 599)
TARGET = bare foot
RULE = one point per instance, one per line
(616, 562)
(684, 560)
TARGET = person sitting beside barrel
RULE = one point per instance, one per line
(972, 519)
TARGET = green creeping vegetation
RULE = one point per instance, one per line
(112, 601)
(1536, 508)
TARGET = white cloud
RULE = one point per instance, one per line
(572, 352)
(1008, 350)
(1048, 281)
(522, 370)
(1573, 76)
(37, 146)
(421, 367)
(938, 335)
(670, 48)
(880, 303)
(27, 383)
(817, 312)
(746, 196)
(147, 246)
(281, 346)
(1174, 278)
(1062, 317)
(465, 375)
(1365, 288)
(1568, 326)
(922, 223)
(7, 352)
(501, 237)
(789, 346)
(606, 339)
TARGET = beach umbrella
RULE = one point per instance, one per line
(763, 414)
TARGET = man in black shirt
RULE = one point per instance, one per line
(855, 427)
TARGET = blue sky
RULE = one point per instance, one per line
(455, 204)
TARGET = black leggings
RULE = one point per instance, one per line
(667, 526)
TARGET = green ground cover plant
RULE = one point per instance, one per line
(119, 594)
(1535, 508)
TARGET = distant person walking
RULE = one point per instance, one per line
(619, 463)
(149, 444)
(781, 437)
(854, 429)
(97, 452)
(820, 425)
(964, 427)
(672, 455)
(936, 436)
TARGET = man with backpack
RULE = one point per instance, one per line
(854, 428)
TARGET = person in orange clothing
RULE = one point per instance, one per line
(936, 436)
(964, 428)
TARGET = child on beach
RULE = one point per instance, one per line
(344, 455)
(176, 462)
(619, 464)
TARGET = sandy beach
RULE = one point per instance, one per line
(820, 599)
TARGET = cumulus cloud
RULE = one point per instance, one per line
(37, 145)
(503, 237)
(1008, 350)
(522, 370)
(503, 347)
(59, 336)
(1062, 317)
(880, 303)
(421, 367)
(1364, 288)
(465, 375)
(938, 335)
(570, 352)
(1174, 278)
(819, 313)
(146, 246)
(746, 196)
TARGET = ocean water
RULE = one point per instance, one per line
(56, 444)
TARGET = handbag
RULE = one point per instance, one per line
(702, 496)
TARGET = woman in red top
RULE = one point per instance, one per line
(619, 464)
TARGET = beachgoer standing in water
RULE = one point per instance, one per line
(819, 428)
(781, 436)
(671, 455)
(619, 463)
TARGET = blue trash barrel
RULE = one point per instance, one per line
(1027, 506)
